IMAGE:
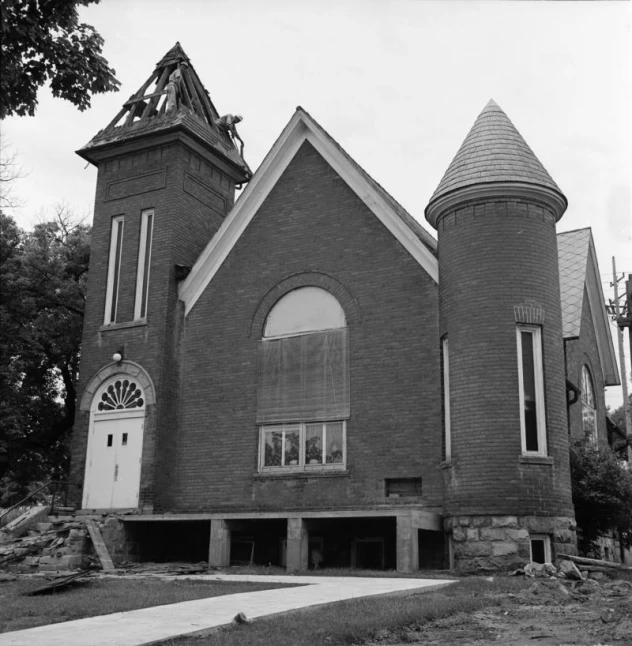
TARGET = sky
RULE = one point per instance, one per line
(397, 83)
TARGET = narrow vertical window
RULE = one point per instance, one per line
(114, 269)
(144, 257)
(446, 398)
(531, 384)
(589, 412)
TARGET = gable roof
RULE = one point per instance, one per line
(301, 128)
(145, 112)
(579, 275)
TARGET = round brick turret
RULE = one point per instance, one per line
(495, 212)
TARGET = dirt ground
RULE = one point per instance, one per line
(549, 612)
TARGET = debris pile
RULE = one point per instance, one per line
(47, 546)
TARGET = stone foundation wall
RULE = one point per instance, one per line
(116, 539)
(487, 543)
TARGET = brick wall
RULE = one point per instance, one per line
(190, 198)
(312, 223)
(580, 351)
(494, 256)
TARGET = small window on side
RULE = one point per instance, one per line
(447, 431)
(540, 548)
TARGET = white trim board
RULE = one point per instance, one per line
(300, 128)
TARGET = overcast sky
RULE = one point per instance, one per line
(397, 83)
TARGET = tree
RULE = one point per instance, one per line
(44, 41)
(43, 277)
(618, 415)
(602, 494)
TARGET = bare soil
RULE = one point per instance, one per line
(547, 612)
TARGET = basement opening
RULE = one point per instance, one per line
(165, 541)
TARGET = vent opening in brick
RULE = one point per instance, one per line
(403, 487)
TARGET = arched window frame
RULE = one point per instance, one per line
(589, 404)
(296, 438)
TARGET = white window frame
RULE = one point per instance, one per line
(301, 427)
(547, 546)
(447, 428)
(114, 269)
(538, 370)
(144, 261)
(588, 388)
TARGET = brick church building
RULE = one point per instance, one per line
(305, 376)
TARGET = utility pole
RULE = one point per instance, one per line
(627, 416)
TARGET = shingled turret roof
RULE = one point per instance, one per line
(493, 152)
(148, 111)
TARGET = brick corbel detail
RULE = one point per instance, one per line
(529, 312)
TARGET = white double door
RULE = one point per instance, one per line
(113, 461)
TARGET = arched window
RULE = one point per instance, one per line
(589, 407)
(303, 398)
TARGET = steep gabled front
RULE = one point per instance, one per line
(301, 128)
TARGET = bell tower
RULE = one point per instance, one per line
(166, 180)
(508, 490)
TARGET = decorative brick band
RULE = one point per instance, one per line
(305, 279)
(124, 368)
(529, 312)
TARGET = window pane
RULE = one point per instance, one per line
(304, 310)
(291, 448)
(538, 552)
(314, 444)
(528, 376)
(273, 448)
(334, 442)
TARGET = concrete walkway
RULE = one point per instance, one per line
(162, 622)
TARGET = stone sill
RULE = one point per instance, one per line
(301, 475)
(536, 459)
(122, 326)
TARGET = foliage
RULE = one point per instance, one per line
(43, 277)
(618, 415)
(602, 493)
(44, 41)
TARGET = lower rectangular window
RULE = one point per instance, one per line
(540, 548)
(303, 446)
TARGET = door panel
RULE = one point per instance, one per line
(113, 466)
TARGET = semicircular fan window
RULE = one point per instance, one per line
(121, 395)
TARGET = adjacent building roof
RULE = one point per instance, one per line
(493, 152)
(580, 278)
(147, 112)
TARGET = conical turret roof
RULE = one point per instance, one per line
(493, 152)
(150, 110)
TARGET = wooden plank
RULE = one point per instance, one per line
(581, 560)
(99, 546)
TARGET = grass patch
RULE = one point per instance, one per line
(94, 597)
(357, 620)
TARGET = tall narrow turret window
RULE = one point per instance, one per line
(589, 412)
(447, 431)
(144, 258)
(114, 269)
(531, 383)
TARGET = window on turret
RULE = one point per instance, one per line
(303, 398)
(144, 258)
(447, 432)
(531, 384)
(114, 269)
(589, 412)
